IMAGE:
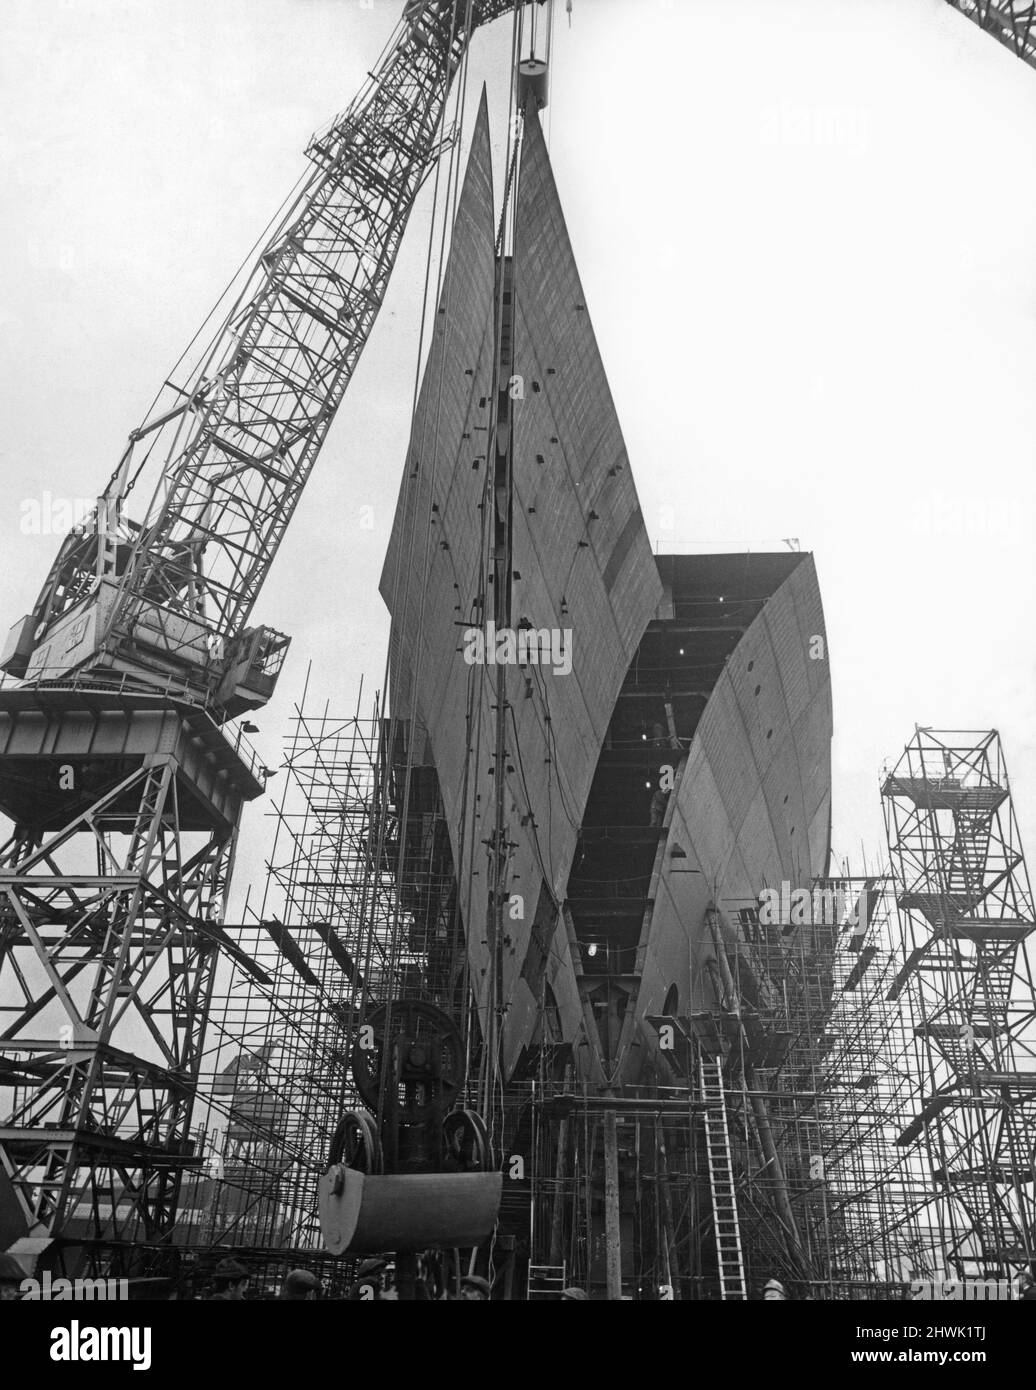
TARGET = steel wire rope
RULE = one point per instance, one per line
(553, 952)
(308, 177)
(491, 1060)
(462, 917)
(549, 877)
(548, 723)
(443, 287)
(446, 286)
(494, 1081)
(276, 220)
(309, 182)
(474, 744)
(472, 762)
(393, 721)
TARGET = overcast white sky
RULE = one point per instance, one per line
(805, 230)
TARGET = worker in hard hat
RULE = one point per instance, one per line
(11, 1276)
(774, 1292)
(301, 1286)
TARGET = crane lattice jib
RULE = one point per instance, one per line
(247, 428)
(1012, 22)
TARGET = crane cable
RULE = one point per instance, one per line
(443, 288)
(309, 177)
(491, 1077)
(393, 721)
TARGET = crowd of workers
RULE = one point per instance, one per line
(231, 1281)
(375, 1281)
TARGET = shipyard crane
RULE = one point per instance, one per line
(163, 604)
(124, 793)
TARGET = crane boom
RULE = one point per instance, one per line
(169, 597)
(1011, 22)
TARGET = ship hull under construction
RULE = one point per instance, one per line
(666, 751)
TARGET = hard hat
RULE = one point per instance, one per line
(230, 1270)
(574, 1293)
(373, 1266)
(774, 1284)
(475, 1281)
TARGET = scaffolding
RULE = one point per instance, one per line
(819, 1078)
(851, 1113)
(352, 913)
(779, 1155)
(967, 920)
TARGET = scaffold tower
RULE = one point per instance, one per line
(966, 914)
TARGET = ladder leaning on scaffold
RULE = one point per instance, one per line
(721, 1182)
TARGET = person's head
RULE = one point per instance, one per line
(474, 1289)
(774, 1292)
(575, 1294)
(230, 1278)
(11, 1276)
(301, 1286)
(370, 1281)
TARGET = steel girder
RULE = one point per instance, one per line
(109, 939)
(1011, 22)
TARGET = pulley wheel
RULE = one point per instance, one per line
(432, 1058)
(467, 1142)
(355, 1143)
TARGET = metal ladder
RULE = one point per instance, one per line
(721, 1181)
(546, 1281)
